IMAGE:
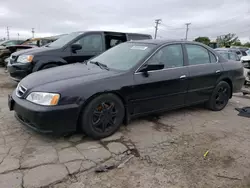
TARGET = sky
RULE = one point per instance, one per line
(51, 17)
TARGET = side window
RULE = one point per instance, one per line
(213, 59)
(171, 56)
(237, 57)
(238, 53)
(232, 56)
(90, 43)
(114, 42)
(197, 54)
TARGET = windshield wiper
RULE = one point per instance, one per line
(101, 65)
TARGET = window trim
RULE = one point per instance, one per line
(217, 58)
(67, 46)
(89, 34)
(159, 48)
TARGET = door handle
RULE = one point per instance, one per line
(218, 71)
(183, 77)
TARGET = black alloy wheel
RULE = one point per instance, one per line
(102, 116)
(220, 96)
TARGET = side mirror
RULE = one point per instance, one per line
(75, 47)
(151, 67)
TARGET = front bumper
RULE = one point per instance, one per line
(18, 71)
(56, 119)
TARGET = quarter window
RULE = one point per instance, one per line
(171, 56)
(90, 43)
(197, 54)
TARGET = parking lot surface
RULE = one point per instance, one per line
(190, 147)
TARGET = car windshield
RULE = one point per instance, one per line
(64, 39)
(124, 56)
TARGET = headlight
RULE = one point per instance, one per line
(25, 58)
(46, 99)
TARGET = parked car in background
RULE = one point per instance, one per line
(27, 44)
(129, 80)
(245, 61)
(6, 43)
(72, 48)
(229, 55)
(248, 52)
(237, 51)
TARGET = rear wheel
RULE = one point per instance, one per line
(102, 116)
(220, 96)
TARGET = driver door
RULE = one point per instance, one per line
(162, 89)
(92, 45)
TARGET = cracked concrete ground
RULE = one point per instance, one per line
(168, 151)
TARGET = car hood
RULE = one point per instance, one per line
(245, 58)
(88, 72)
(17, 46)
(34, 51)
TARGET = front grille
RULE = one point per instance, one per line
(20, 90)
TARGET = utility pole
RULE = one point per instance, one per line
(187, 24)
(33, 32)
(157, 22)
(8, 33)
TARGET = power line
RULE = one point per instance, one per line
(33, 32)
(172, 27)
(157, 22)
(187, 25)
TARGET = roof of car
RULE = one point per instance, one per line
(102, 31)
(162, 41)
(225, 52)
(227, 49)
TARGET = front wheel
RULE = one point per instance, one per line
(102, 116)
(220, 96)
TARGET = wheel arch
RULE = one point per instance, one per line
(126, 116)
(38, 66)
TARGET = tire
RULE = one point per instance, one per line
(3, 62)
(49, 66)
(220, 96)
(102, 116)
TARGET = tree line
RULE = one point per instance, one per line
(229, 39)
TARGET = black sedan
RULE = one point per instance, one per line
(132, 79)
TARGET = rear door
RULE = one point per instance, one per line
(162, 89)
(92, 45)
(204, 71)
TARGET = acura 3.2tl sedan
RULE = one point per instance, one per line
(132, 79)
